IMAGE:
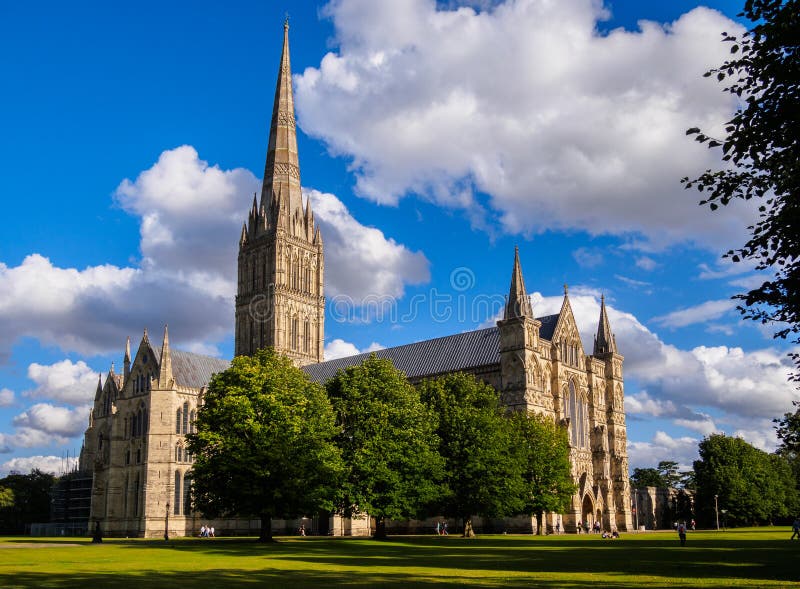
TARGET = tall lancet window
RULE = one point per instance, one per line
(576, 417)
(176, 500)
(294, 334)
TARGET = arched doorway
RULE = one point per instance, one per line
(587, 510)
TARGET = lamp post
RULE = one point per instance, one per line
(716, 509)
(636, 507)
(166, 523)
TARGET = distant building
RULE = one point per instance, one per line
(660, 508)
(135, 442)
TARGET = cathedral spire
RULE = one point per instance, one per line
(283, 168)
(518, 305)
(126, 362)
(604, 342)
(165, 364)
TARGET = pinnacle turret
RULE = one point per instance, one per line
(604, 342)
(518, 304)
(126, 362)
(165, 363)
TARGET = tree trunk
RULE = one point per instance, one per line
(539, 523)
(380, 528)
(266, 529)
(468, 531)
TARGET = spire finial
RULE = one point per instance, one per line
(518, 305)
(286, 22)
(604, 342)
(566, 289)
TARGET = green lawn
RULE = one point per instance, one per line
(757, 557)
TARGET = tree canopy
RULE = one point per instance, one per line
(30, 503)
(386, 436)
(542, 448)
(482, 476)
(6, 497)
(788, 431)
(647, 477)
(761, 148)
(263, 444)
(666, 474)
(751, 485)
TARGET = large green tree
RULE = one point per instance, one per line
(666, 474)
(482, 475)
(264, 444)
(386, 436)
(761, 146)
(751, 485)
(542, 448)
(788, 430)
(647, 477)
(31, 500)
(669, 469)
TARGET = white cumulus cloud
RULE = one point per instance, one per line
(560, 125)
(65, 381)
(57, 421)
(51, 464)
(662, 446)
(190, 216)
(339, 348)
(361, 261)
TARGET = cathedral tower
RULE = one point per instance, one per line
(280, 300)
(521, 381)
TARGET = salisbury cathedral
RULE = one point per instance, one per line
(135, 442)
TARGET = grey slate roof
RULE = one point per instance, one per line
(451, 353)
(548, 326)
(441, 355)
(193, 370)
(433, 356)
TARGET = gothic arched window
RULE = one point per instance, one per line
(185, 417)
(136, 497)
(293, 334)
(178, 420)
(176, 502)
(187, 494)
(577, 417)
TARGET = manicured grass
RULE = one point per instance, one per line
(756, 557)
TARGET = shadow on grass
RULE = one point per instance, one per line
(563, 561)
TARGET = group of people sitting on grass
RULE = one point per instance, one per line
(206, 532)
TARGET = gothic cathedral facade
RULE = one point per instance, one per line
(135, 446)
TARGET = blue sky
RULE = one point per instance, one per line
(433, 139)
